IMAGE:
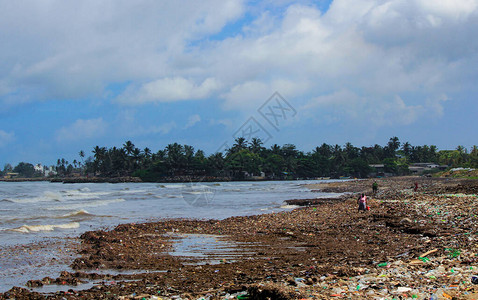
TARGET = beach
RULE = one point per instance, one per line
(409, 245)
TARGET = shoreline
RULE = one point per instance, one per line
(176, 179)
(317, 252)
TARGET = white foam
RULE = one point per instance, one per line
(232, 190)
(132, 191)
(37, 228)
(172, 196)
(198, 192)
(78, 195)
(53, 195)
(86, 204)
(47, 196)
(175, 186)
(287, 206)
(77, 213)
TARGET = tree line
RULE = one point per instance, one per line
(250, 158)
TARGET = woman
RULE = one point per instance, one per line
(362, 202)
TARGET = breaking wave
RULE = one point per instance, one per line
(198, 192)
(288, 206)
(38, 228)
(78, 213)
(80, 206)
(47, 196)
(175, 186)
(84, 194)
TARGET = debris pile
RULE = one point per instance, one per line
(410, 245)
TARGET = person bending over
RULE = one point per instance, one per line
(362, 202)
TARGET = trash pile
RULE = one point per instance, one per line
(410, 245)
(451, 275)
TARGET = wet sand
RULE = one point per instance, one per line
(409, 245)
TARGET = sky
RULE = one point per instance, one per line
(76, 74)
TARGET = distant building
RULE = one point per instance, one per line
(377, 170)
(39, 168)
(44, 170)
(50, 171)
(420, 168)
(10, 175)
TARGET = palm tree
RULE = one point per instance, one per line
(239, 144)
(136, 156)
(128, 147)
(100, 155)
(392, 146)
(82, 156)
(216, 163)
(147, 152)
(188, 156)
(351, 152)
(275, 149)
(256, 145)
(174, 157)
(146, 158)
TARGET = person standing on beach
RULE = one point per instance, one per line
(362, 202)
(375, 187)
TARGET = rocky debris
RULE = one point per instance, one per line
(117, 249)
(410, 245)
(272, 291)
(315, 202)
(21, 293)
(470, 187)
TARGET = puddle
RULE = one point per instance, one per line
(207, 248)
(116, 272)
(199, 249)
(47, 258)
(53, 288)
(89, 283)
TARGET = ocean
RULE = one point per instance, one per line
(44, 213)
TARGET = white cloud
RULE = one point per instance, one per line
(160, 129)
(193, 120)
(346, 106)
(396, 112)
(395, 54)
(381, 51)
(82, 129)
(457, 10)
(229, 123)
(169, 90)
(75, 49)
(435, 104)
(5, 137)
(252, 94)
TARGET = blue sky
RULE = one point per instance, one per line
(74, 75)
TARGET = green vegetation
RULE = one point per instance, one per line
(250, 158)
(23, 169)
(245, 159)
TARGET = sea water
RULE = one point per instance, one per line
(33, 212)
